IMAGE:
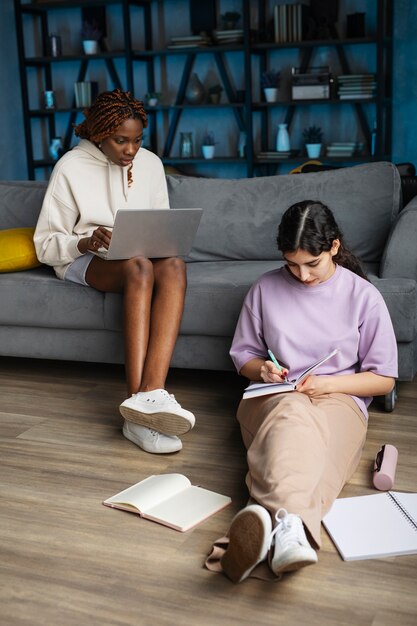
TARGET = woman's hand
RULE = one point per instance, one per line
(271, 374)
(99, 239)
(314, 386)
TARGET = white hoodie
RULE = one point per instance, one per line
(85, 191)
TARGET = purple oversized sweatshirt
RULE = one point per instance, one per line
(302, 324)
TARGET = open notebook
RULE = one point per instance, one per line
(169, 499)
(378, 525)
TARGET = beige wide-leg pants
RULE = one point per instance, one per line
(301, 451)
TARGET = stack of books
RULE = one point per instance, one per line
(344, 148)
(222, 37)
(356, 86)
(192, 41)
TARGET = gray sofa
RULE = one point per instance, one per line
(43, 317)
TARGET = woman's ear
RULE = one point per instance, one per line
(335, 247)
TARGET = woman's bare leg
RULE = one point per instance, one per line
(153, 302)
(134, 279)
(170, 283)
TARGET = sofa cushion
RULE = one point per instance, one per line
(17, 250)
(216, 291)
(20, 202)
(214, 296)
(38, 298)
(249, 210)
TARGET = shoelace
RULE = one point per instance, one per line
(285, 529)
(169, 396)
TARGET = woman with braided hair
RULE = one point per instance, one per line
(303, 446)
(108, 170)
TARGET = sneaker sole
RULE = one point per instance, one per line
(165, 423)
(144, 447)
(292, 566)
(245, 548)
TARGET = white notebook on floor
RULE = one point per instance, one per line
(378, 525)
(169, 499)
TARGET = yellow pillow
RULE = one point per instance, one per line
(17, 250)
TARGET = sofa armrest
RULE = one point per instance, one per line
(399, 259)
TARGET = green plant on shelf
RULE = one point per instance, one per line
(313, 134)
(153, 98)
(91, 31)
(230, 19)
(270, 79)
(208, 139)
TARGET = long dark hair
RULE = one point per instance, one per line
(311, 226)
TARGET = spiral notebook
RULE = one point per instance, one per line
(374, 526)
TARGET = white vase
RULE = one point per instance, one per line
(283, 138)
(271, 94)
(90, 46)
(313, 150)
(208, 151)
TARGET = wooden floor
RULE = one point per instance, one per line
(67, 560)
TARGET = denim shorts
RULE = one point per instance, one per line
(77, 269)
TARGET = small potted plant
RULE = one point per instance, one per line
(91, 33)
(214, 93)
(152, 98)
(230, 19)
(270, 81)
(313, 136)
(208, 145)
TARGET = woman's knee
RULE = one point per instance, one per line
(172, 269)
(138, 270)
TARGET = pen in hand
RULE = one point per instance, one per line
(275, 362)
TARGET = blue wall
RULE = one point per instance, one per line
(12, 146)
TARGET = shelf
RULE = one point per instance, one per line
(46, 5)
(252, 116)
(40, 61)
(146, 54)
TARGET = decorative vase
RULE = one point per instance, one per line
(186, 145)
(313, 150)
(195, 92)
(283, 138)
(90, 46)
(152, 102)
(55, 148)
(271, 94)
(208, 151)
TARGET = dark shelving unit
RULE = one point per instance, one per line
(243, 111)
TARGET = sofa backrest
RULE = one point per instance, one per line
(241, 216)
(20, 203)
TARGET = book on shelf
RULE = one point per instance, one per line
(290, 22)
(169, 499)
(374, 526)
(265, 389)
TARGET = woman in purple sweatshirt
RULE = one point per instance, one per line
(304, 445)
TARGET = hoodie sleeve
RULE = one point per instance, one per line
(160, 194)
(54, 240)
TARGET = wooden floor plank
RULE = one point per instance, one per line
(66, 559)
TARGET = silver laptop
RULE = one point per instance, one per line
(152, 233)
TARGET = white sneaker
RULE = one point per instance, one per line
(159, 411)
(249, 541)
(292, 550)
(149, 440)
